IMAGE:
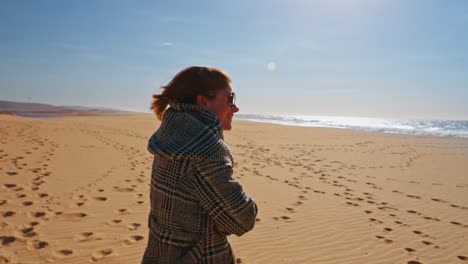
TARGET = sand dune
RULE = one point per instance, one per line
(75, 190)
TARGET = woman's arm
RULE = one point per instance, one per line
(222, 196)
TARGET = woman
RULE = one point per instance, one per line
(195, 200)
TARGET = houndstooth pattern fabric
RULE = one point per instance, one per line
(193, 190)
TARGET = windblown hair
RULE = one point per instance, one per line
(187, 84)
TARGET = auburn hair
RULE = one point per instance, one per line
(187, 84)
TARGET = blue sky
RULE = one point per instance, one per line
(375, 58)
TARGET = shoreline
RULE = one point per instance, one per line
(439, 128)
(458, 144)
(351, 130)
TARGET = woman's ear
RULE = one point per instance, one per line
(201, 100)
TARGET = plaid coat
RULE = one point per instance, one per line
(193, 191)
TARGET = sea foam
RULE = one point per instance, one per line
(444, 128)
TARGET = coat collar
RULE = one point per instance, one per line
(201, 112)
(186, 131)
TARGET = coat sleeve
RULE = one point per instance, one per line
(221, 195)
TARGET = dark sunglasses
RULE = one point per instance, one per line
(231, 98)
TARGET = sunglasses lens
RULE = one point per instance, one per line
(232, 100)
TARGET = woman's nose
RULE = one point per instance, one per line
(235, 109)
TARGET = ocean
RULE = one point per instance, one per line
(440, 128)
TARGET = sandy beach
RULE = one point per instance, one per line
(75, 190)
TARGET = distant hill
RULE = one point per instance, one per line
(36, 109)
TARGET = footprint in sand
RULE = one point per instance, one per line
(73, 216)
(134, 226)
(8, 213)
(458, 206)
(4, 260)
(38, 214)
(27, 230)
(2, 202)
(65, 252)
(102, 199)
(432, 218)
(40, 244)
(410, 250)
(386, 240)
(9, 185)
(123, 211)
(98, 255)
(427, 243)
(386, 208)
(420, 233)
(124, 189)
(458, 224)
(438, 200)
(133, 239)
(27, 203)
(462, 257)
(86, 236)
(30, 234)
(7, 239)
(375, 220)
(414, 262)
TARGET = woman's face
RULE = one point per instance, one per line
(221, 106)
